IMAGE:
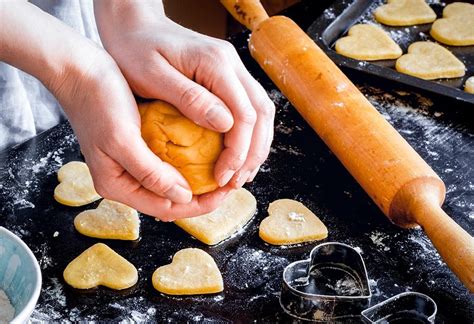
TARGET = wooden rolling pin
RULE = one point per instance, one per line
(398, 180)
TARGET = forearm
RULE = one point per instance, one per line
(41, 45)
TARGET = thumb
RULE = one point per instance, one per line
(193, 100)
(152, 173)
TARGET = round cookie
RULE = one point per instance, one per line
(190, 148)
(404, 13)
(457, 25)
(369, 43)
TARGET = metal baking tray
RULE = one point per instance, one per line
(343, 14)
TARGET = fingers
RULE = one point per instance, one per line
(238, 140)
(263, 132)
(150, 172)
(113, 182)
(193, 100)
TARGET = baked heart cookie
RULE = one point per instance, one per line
(99, 265)
(220, 224)
(428, 60)
(110, 220)
(404, 13)
(191, 272)
(75, 186)
(290, 222)
(369, 43)
(457, 25)
(469, 85)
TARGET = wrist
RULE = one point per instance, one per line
(113, 17)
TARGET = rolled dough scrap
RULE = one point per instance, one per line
(192, 149)
(218, 225)
(404, 13)
(469, 86)
(110, 220)
(191, 272)
(428, 60)
(99, 265)
(76, 187)
(290, 222)
(457, 25)
(368, 42)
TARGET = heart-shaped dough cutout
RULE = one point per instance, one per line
(110, 220)
(369, 43)
(214, 227)
(290, 222)
(191, 272)
(469, 86)
(428, 60)
(99, 265)
(404, 13)
(457, 25)
(76, 187)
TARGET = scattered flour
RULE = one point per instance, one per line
(295, 217)
(7, 311)
(378, 238)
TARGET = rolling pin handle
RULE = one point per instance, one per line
(454, 244)
(249, 13)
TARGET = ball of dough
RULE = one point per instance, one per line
(190, 148)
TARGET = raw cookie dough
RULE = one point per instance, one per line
(110, 220)
(428, 60)
(76, 187)
(404, 13)
(99, 265)
(218, 225)
(191, 272)
(368, 42)
(469, 85)
(290, 222)
(192, 149)
(457, 25)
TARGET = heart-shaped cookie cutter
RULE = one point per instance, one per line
(408, 307)
(332, 284)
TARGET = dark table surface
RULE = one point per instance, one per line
(300, 167)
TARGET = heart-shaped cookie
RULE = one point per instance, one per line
(191, 272)
(457, 25)
(368, 42)
(290, 222)
(404, 13)
(469, 85)
(110, 220)
(428, 60)
(220, 224)
(76, 187)
(99, 265)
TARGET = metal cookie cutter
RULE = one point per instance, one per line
(409, 307)
(332, 284)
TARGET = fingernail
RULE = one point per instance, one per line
(241, 178)
(219, 118)
(225, 178)
(252, 175)
(179, 194)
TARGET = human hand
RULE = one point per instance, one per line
(102, 111)
(202, 76)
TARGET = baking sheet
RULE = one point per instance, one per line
(343, 14)
(299, 167)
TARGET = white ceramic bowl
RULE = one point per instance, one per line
(20, 275)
